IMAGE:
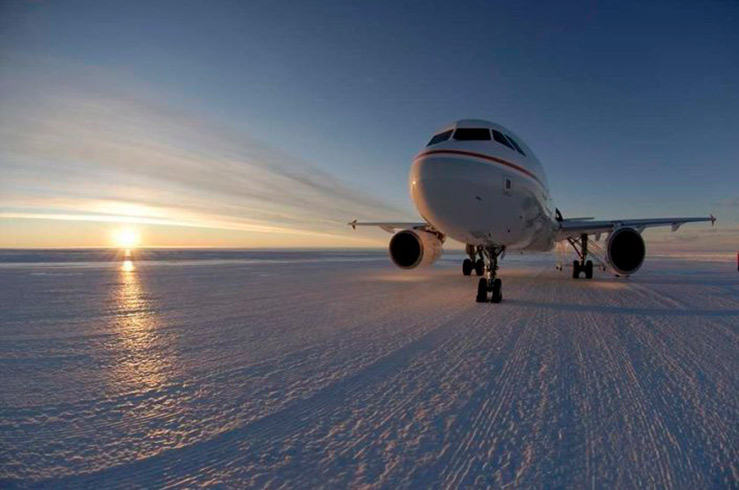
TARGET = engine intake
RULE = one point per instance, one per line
(414, 248)
(626, 250)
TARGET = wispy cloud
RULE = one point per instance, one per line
(698, 237)
(81, 148)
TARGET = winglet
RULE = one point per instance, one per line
(713, 220)
(353, 224)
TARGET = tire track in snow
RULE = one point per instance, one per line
(480, 444)
(603, 383)
(226, 415)
(202, 455)
(679, 375)
(646, 420)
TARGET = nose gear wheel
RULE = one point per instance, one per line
(490, 283)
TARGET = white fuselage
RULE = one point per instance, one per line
(484, 192)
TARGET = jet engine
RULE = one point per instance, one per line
(626, 250)
(414, 248)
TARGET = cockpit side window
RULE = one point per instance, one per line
(440, 137)
(472, 134)
(502, 139)
(513, 142)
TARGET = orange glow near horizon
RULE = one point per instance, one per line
(51, 233)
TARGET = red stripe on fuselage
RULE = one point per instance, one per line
(483, 157)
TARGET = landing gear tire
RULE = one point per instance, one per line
(576, 270)
(482, 290)
(467, 267)
(479, 267)
(589, 269)
(497, 296)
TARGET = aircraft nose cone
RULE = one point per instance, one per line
(441, 190)
(463, 198)
(423, 180)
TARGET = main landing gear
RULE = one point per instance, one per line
(587, 268)
(582, 265)
(489, 283)
(475, 262)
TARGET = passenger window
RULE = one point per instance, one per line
(472, 134)
(507, 185)
(513, 142)
(440, 137)
(502, 139)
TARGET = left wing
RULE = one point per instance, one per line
(390, 227)
(572, 228)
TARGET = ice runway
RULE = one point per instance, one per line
(338, 370)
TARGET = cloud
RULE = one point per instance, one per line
(81, 147)
(694, 238)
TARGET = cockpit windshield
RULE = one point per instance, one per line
(502, 139)
(440, 137)
(472, 134)
(513, 142)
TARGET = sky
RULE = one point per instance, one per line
(273, 124)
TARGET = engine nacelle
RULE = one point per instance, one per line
(626, 250)
(414, 248)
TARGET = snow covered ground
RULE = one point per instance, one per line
(338, 370)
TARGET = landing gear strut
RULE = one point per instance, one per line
(490, 283)
(582, 265)
(475, 262)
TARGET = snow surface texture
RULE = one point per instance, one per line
(338, 370)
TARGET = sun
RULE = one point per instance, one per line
(126, 237)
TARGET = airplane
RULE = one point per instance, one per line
(478, 183)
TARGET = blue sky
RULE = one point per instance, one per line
(316, 109)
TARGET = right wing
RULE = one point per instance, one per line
(390, 227)
(570, 228)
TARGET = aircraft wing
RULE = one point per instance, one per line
(576, 227)
(390, 227)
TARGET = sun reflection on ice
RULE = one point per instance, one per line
(142, 361)
(127, 266)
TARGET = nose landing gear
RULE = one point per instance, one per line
(489, 283)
